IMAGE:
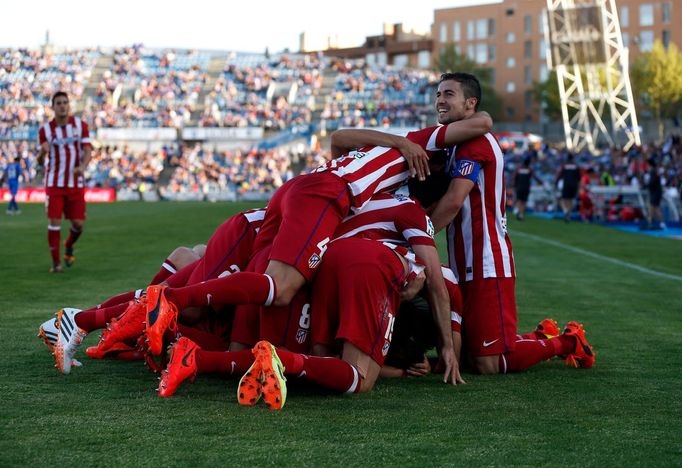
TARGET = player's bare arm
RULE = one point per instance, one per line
(475, 126)
(347, 139)
(449, 205)
(440, 307)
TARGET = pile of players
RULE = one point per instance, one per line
(311, 286)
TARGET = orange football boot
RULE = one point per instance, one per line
(181, 366)
(161, 316)
(128, 325)
(273, 382)
(583, 356)
(548, 328)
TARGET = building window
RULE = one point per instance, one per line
(511, 62)
(491, 27)
(646, 41)
(443, 32)
(542, 48)
(541, 21)
(511, 38)
(543, 73)
(510, 111)
(400, 61)
(491, 53)
(456, 31)
(626, 39)
(458, 50)
(624, 17)
(646, 14)
(424, 59)
(527, 74)
(528, 100)
(511, 86)
(666, 38)
(481, 52)
(528, 49)
(481, 29)
(528, 24)
(666, 12)
(471, 52)
(493, 77)
(470, 29)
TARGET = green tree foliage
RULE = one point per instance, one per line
(450, 61)
(657, 81)
(546, 94)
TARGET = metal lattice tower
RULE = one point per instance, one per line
(592, 70)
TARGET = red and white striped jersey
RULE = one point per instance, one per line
(455, 294)
(478, 244)
(66, 145)
(255, 218)
(389, 218)
(376, 169)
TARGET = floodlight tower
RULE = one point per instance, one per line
(586, 49)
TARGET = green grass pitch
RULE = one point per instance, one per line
(625, 411)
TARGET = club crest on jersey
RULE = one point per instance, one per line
(301, 336)
(313, 261)
(384, 349)
(357, 154)
(465, 167)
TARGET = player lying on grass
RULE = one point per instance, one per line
(228, 250)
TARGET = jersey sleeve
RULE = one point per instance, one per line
(415, 226)
(470, 158)
(42, 138)
(85, 134)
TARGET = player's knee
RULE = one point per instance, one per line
(487, 365)
(78, 224)
(182, 256)
(199, 250)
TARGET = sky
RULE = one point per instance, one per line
(240, 25)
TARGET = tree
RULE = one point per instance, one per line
(546, 94)
(657, 81)
(450, 61)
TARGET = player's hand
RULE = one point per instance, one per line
(451, 367)
(78, 170)
(417, 159)
(419, 369)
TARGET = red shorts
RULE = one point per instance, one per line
(286, 327)
(356, 296)
(69, 202)
(228, 249)
(301, 219)
(489, 318)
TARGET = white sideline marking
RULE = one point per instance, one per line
(599, 257)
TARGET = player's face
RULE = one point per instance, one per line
(61, 107)
(451, 105)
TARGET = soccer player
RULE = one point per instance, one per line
(480, 252)
(12, 175)
(522, 181)
(65, 141)
(228, 250)
(569, 175)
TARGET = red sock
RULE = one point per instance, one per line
(224, 362)
(534, 335)
(53, 235)
(119, 299)
(331, 373)
(73, 237)
(530, 352)
(167, 269)
(206, 341)
(93, 319)
(239, 288)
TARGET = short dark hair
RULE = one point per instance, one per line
(470, 85)
(59, 94)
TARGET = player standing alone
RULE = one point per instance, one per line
(66, 142)
(12, 174)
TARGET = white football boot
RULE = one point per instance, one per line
(69, 338)
(48, 332)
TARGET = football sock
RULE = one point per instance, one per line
(530, 352)
(74, 234)
(93, 319)
(224, 362)
(53, 236)
(167, 269)
(331, 373)
(119, 299)
(206, 341)
(240, 288)
(534, 335)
